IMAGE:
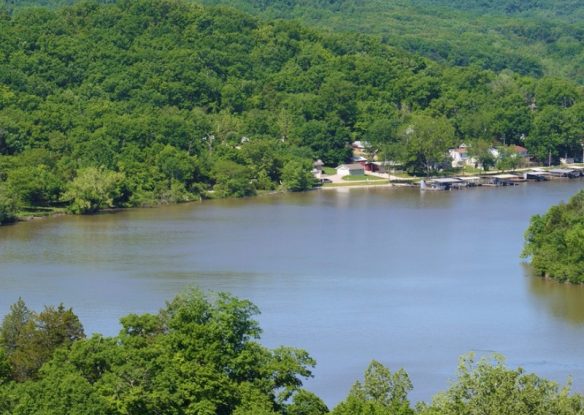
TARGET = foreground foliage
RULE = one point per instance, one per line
(555, 241)
(201, 355)
(196, 356)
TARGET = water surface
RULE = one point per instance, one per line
(411, 279)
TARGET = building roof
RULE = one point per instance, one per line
(354, 166)
(518, 149)
(445, 181)
(461, 150)
(506, 176)
(360, 144)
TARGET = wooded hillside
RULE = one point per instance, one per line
(142, 102)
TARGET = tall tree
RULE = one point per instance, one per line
(425, 142)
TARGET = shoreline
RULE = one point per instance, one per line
(414, 183)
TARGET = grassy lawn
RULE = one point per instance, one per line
(362, 178)
(329, 171)
(350, 184)
(403, 175)
(35, 211)
(470, 171)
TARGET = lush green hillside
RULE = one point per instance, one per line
(527, 37)
(202, 356)
(143, 102)
(569, 9)
(555, 241)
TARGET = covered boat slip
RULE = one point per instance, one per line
(446, 183)
(567, 173)
(505, 179)
(456, 183)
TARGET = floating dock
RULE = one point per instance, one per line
(503, 179)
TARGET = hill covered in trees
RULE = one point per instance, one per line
(202, 356)
(528, 37)
(143, 102)
(555, 241)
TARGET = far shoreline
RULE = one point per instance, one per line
(411, 183)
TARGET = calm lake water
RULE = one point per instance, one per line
(411, 279)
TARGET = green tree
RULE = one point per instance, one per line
(425, 142)
(8, 205)
(30, 339)
(35, 186)
(297, 176)
(382, 132)
(481, 151)
(13, 325)
(488, 387)
(306, 403)
(549, 134)
(93, 189)
(553, 241)
(381, 392)
(507, 159)
(232, 179)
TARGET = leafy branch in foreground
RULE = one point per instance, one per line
(201, 355)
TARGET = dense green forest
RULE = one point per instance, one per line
(527, 36)
(142, 102)
(201, 356)
(555, 241)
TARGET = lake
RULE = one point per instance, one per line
(411, 279)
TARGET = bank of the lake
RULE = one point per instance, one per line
(36, 213)
(409, 278)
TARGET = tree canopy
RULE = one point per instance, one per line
(555, 241)
(201, 354)
(198, 355)
(132, 103)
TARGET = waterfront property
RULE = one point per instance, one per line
(538, 176)
(350, 170)
(505, 179)
(471, 181)
(446, 183)
(349, 269)
(566, 173)
(497, 180)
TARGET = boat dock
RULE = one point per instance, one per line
(502, 179)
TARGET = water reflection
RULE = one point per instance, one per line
(413, 280)
(564, 301)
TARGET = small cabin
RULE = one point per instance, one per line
(350, 170)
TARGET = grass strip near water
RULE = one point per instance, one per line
(362, 178)
(381, 182)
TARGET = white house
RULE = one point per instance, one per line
(520, 151)
(318, 166)
(359, 148)
(460, 156)
(350, 170)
